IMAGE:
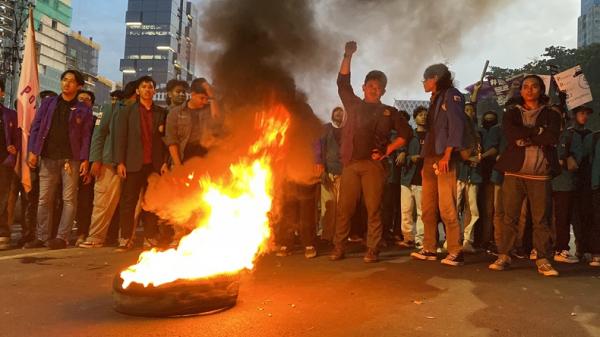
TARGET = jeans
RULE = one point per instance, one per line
(366, 177)
(299, 214)
(52, 173)
(538, 194)
(439, 200)
(466, 200)
(411, 203)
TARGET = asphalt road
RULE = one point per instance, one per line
(68, 293)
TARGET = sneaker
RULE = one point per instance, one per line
(150, 243)
(283, 251)
(419, 245)
(57, 243)
(468, 248)
(546, 269)
(124, 245)
(565, 257)
(337, 254)
(371, 256)
(595, 261)
(4, 242)
(406, 244)
(310, 252)
(424, 255)
(501, 263)
(80, 240)
(90, 244)
(36, 243)
(454, 259)
(533, 255)
(354, 238)
(492, 250)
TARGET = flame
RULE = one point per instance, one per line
(236, 227)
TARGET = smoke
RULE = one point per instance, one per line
(263, 52)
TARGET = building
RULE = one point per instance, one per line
(161, 41)
(52, 19)
(588, 30)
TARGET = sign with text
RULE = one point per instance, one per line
(573, 83)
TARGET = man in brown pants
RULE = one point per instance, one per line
(445, 125)
(365, 142)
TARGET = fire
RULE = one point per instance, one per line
(236, 227)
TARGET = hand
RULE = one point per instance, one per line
(477, 85)
(444, 164)
(400, 158)
(164, 169)
(572, 164)
(12, 149)
(319, 169)
(87, 179)
(474, 159)
(83, 168)
(122, 170)
(415, 158)
(32, 160)
(350, 48)
(96, 170)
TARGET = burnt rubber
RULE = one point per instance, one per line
(179, 298)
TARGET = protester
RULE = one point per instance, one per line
(445, 127)
(187, 123)
(592, 151)
(10, 147)
(532, 131)
(411, 184)
(365, 142)
(564, 186)
(107, 189)
(491, 138)
(116, 96)
(332, 164)
(139, 152)
(59, 121)
(469, 179)
(176, 92)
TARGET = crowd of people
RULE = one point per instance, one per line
(512, 188)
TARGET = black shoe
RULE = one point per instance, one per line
(454, 259)
(57, 243)
(337, 254)
(22, 241)
(424, 255)
(519, 253)
(36, 243)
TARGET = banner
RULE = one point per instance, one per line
(574, 84)
(26, 99)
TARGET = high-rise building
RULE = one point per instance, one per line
(588, 30)
(161, 41)
(52, 19)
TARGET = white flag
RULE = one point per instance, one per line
(27, 94)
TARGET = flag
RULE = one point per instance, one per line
(27, 94)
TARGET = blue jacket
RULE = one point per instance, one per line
(80, 128)
(571, 144)
(409, 169)
(591, 147)
(12, 134)
(449, 121)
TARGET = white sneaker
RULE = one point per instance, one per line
(533, 254)
(595, 261)
(4, 242)
(565, 257)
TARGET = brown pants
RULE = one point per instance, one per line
(368, 177)
(438, 199)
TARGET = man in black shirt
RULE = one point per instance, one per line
(365, 142)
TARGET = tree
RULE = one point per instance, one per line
(561, 58)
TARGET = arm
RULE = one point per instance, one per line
(345, 90)
(403, 131)
(121, 139)
(549, 134)
(454, 103)
(171, 136)
(514, 129)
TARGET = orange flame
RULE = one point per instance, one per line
(236, 228)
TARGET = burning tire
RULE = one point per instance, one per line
(179, 298)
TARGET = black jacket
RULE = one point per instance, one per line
(512, 125)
